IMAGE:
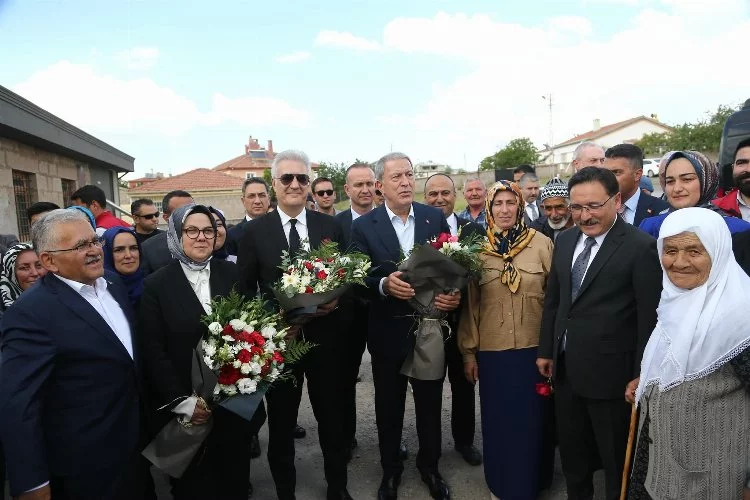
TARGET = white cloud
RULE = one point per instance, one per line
(294, 57)
(344, 39)
(138, 58)
(256, 111)
(573, 24)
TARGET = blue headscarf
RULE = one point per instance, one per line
(88, 214)
(133, 282)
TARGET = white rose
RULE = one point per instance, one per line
(215, 328)
(230, 390)
(268, 331)
(209, 362)
(245, 368)
(344, 260)
(237, 325)
(255, 368)
(247, 386)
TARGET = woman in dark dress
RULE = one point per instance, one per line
(174, 300)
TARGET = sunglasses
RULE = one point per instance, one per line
(150, 216)
(324, 192)
(302, 179)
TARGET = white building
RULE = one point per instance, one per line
(628, 131)
(428, 168)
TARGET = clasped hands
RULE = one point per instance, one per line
(394, 286)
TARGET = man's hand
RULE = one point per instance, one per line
(630, 390)
(43, 493)
(448, 301)
(200, 415)
(324, 309)
(292, 332)
(394, 286)
(545, 365)
(471, 371)
(746, 494)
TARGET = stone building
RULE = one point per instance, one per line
(43, 158)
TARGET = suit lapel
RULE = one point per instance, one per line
(566, 253)
(314, 234)
(275, 230)
(424, 225)
(387, 235)
(611, 243)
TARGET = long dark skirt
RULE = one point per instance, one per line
(512, 422)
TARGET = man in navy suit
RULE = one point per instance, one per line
(71, 422)
(387, 234)
(256, 200)
(626, 162)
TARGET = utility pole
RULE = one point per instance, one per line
(548, 98)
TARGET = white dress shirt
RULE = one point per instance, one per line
(744, 207)
(106, 306)
(630, 206)
(453, 223)
(532, 211)
(594, 250)
(248, 218)
(301, 226)
(200, 283)
(356, 215)
(404, 233)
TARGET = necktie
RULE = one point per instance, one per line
(533, 213)
(294, 242)
(579, 267)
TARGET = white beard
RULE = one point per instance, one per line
(559, 225)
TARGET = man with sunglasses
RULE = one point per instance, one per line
(146, 218)
(599, 310)
(292, 227)
(324, 195)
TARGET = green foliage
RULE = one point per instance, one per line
(268, 177)
(337, 173)
(516, 152)
(703, 135)
(296, 350)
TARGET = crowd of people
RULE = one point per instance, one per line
(595, 298)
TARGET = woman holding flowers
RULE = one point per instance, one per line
(498, 337)
(174, 300)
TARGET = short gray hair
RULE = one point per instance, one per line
(527, 178)
(290, 155)
(43, 231)
(380, 164)
(473, 179)
(584, 145)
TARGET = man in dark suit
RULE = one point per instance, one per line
(599, 311)
(256, 200)
(626, 162)
(440, 192)
(155, 253)
(289, 228)
(71, 410)
(359, 188)
(529, 184)
(386, 234)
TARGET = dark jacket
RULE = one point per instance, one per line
(155, 253)
(648, 206)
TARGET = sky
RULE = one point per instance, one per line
(182, 84)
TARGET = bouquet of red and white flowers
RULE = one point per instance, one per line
(318, 276)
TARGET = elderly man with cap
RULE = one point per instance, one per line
(555, 201)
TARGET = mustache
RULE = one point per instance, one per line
(92, 260)
(590, 222)
(742, 177)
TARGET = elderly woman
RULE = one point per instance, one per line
(21, 268)
(694, 437)
(689, 179)
(498, 337)
(122, 255)
(174, 299)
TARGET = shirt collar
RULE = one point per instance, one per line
(391, 215)
(248, 218)
(600, 239)
(741, 200)
(99, 285)
(632, 202)
(301, 218)
(194, 276)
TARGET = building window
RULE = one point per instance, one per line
(157, 205)
(25, 194)
(249, 175)
(68, 188)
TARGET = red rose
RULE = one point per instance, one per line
(330, 259)
(256, 351)
(243, 336)
(308, 289)
(266, 368)
(321, 275)
(228, 330)
(278, 357)
(257, 338)
(229, 375)
(244, 356)
(317, 259)
(544, 389)
(308, 266)
(341, 272)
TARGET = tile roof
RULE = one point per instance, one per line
(595, 134)
(200, 179)
(244, 162)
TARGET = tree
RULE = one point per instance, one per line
(337, 173)
(516, 152)
(703, 135)
(268, 177)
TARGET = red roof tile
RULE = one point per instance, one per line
(594, 134)
(245, 162)
(200, 179)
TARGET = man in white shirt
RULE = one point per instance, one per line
(69, 377)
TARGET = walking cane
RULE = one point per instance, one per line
(629, 452)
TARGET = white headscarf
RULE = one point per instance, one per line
(698, 330)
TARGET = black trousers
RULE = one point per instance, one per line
(322, 369)
(120, 482)
(592, 434)
(390, 399)
(462, 395)
(353, 343)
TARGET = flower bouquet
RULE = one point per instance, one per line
(243, 352)
(316, 277)
(443, 265)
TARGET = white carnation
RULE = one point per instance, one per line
(255, 368)
(228, 338)
(269, 346)
(245, 368)
(247, 386)
(289, 280)
(237, 363)
(230, 390)
(209, 362)
(268, 331)
(209, 348)
(215, 328)
(237, 325)
(344, 260)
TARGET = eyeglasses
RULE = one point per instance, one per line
(81, 247)
(591, 207)
(302, 179)
(324, 192)
(149, 216)
(194, 232)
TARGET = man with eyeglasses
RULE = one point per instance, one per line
(71, 407)
(599, 311)
(146, 218)
(737, 202)
(291, 227)
(324, 195)
(256, 200)
(156, 253)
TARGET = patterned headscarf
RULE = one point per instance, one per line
(707, 170)
(509, 243)
(10, 289)
(174, 234)
(133, 282)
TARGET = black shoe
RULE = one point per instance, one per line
(403, 452)
(389, 487)
(254, 447)
(299, 432)
(338, 494)
(437, 485)
(250, 490)
(470, 454)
